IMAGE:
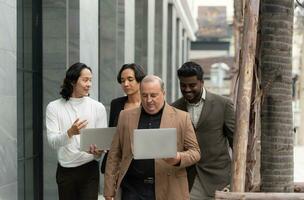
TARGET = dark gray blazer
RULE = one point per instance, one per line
(214, 130)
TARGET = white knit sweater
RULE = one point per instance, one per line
(60, 115)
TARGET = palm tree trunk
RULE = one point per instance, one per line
(276, 81)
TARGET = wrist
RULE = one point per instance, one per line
(69, 132)
(178, 158)
(178, 163)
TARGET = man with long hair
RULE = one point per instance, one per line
(77, 173)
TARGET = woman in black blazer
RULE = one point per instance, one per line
(129, 78)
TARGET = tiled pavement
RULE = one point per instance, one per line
(299, 163)
(298, 166)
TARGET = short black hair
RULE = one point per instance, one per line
(71, 77)
(138, 72)
(191, 69)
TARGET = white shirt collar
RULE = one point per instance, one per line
(204, 94)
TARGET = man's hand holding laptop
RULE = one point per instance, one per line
(96, 151)
(76, 129)
(174, 161)
(96, 140)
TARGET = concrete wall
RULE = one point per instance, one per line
(89, 35)
(61, 48)
(8, 100)
(111, 48)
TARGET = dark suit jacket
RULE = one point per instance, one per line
(215, 127)
(117, 105)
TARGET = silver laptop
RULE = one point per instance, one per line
(102, 137)
(154, 143)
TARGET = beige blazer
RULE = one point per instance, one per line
(170, 181)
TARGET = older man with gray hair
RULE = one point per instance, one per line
(149, 179)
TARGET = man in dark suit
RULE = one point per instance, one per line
(213, 119)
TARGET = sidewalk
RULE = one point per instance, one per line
(298, 166)
(299, 163)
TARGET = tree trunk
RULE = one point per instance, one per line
(240, 140)
(237, 33)
(276, 82)
(253, 164)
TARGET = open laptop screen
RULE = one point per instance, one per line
(102, 137)
(154, 143)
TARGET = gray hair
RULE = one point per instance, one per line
(153, 78)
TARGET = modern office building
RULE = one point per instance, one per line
(39, 39)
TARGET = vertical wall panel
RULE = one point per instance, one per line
(160, 30)
(8, 92)
(169, 53)
(88, 32)
(111, 48)
(141, 33)
(151, 33)
(173, 55)
(60, 50)
(129, 31)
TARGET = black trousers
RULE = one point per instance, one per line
(78, 183)
(138, 189)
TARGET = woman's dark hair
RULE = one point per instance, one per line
(191, 69)
(71, 77)
(138, 71)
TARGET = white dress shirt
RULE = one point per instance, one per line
(195, 109)
(60, 115)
